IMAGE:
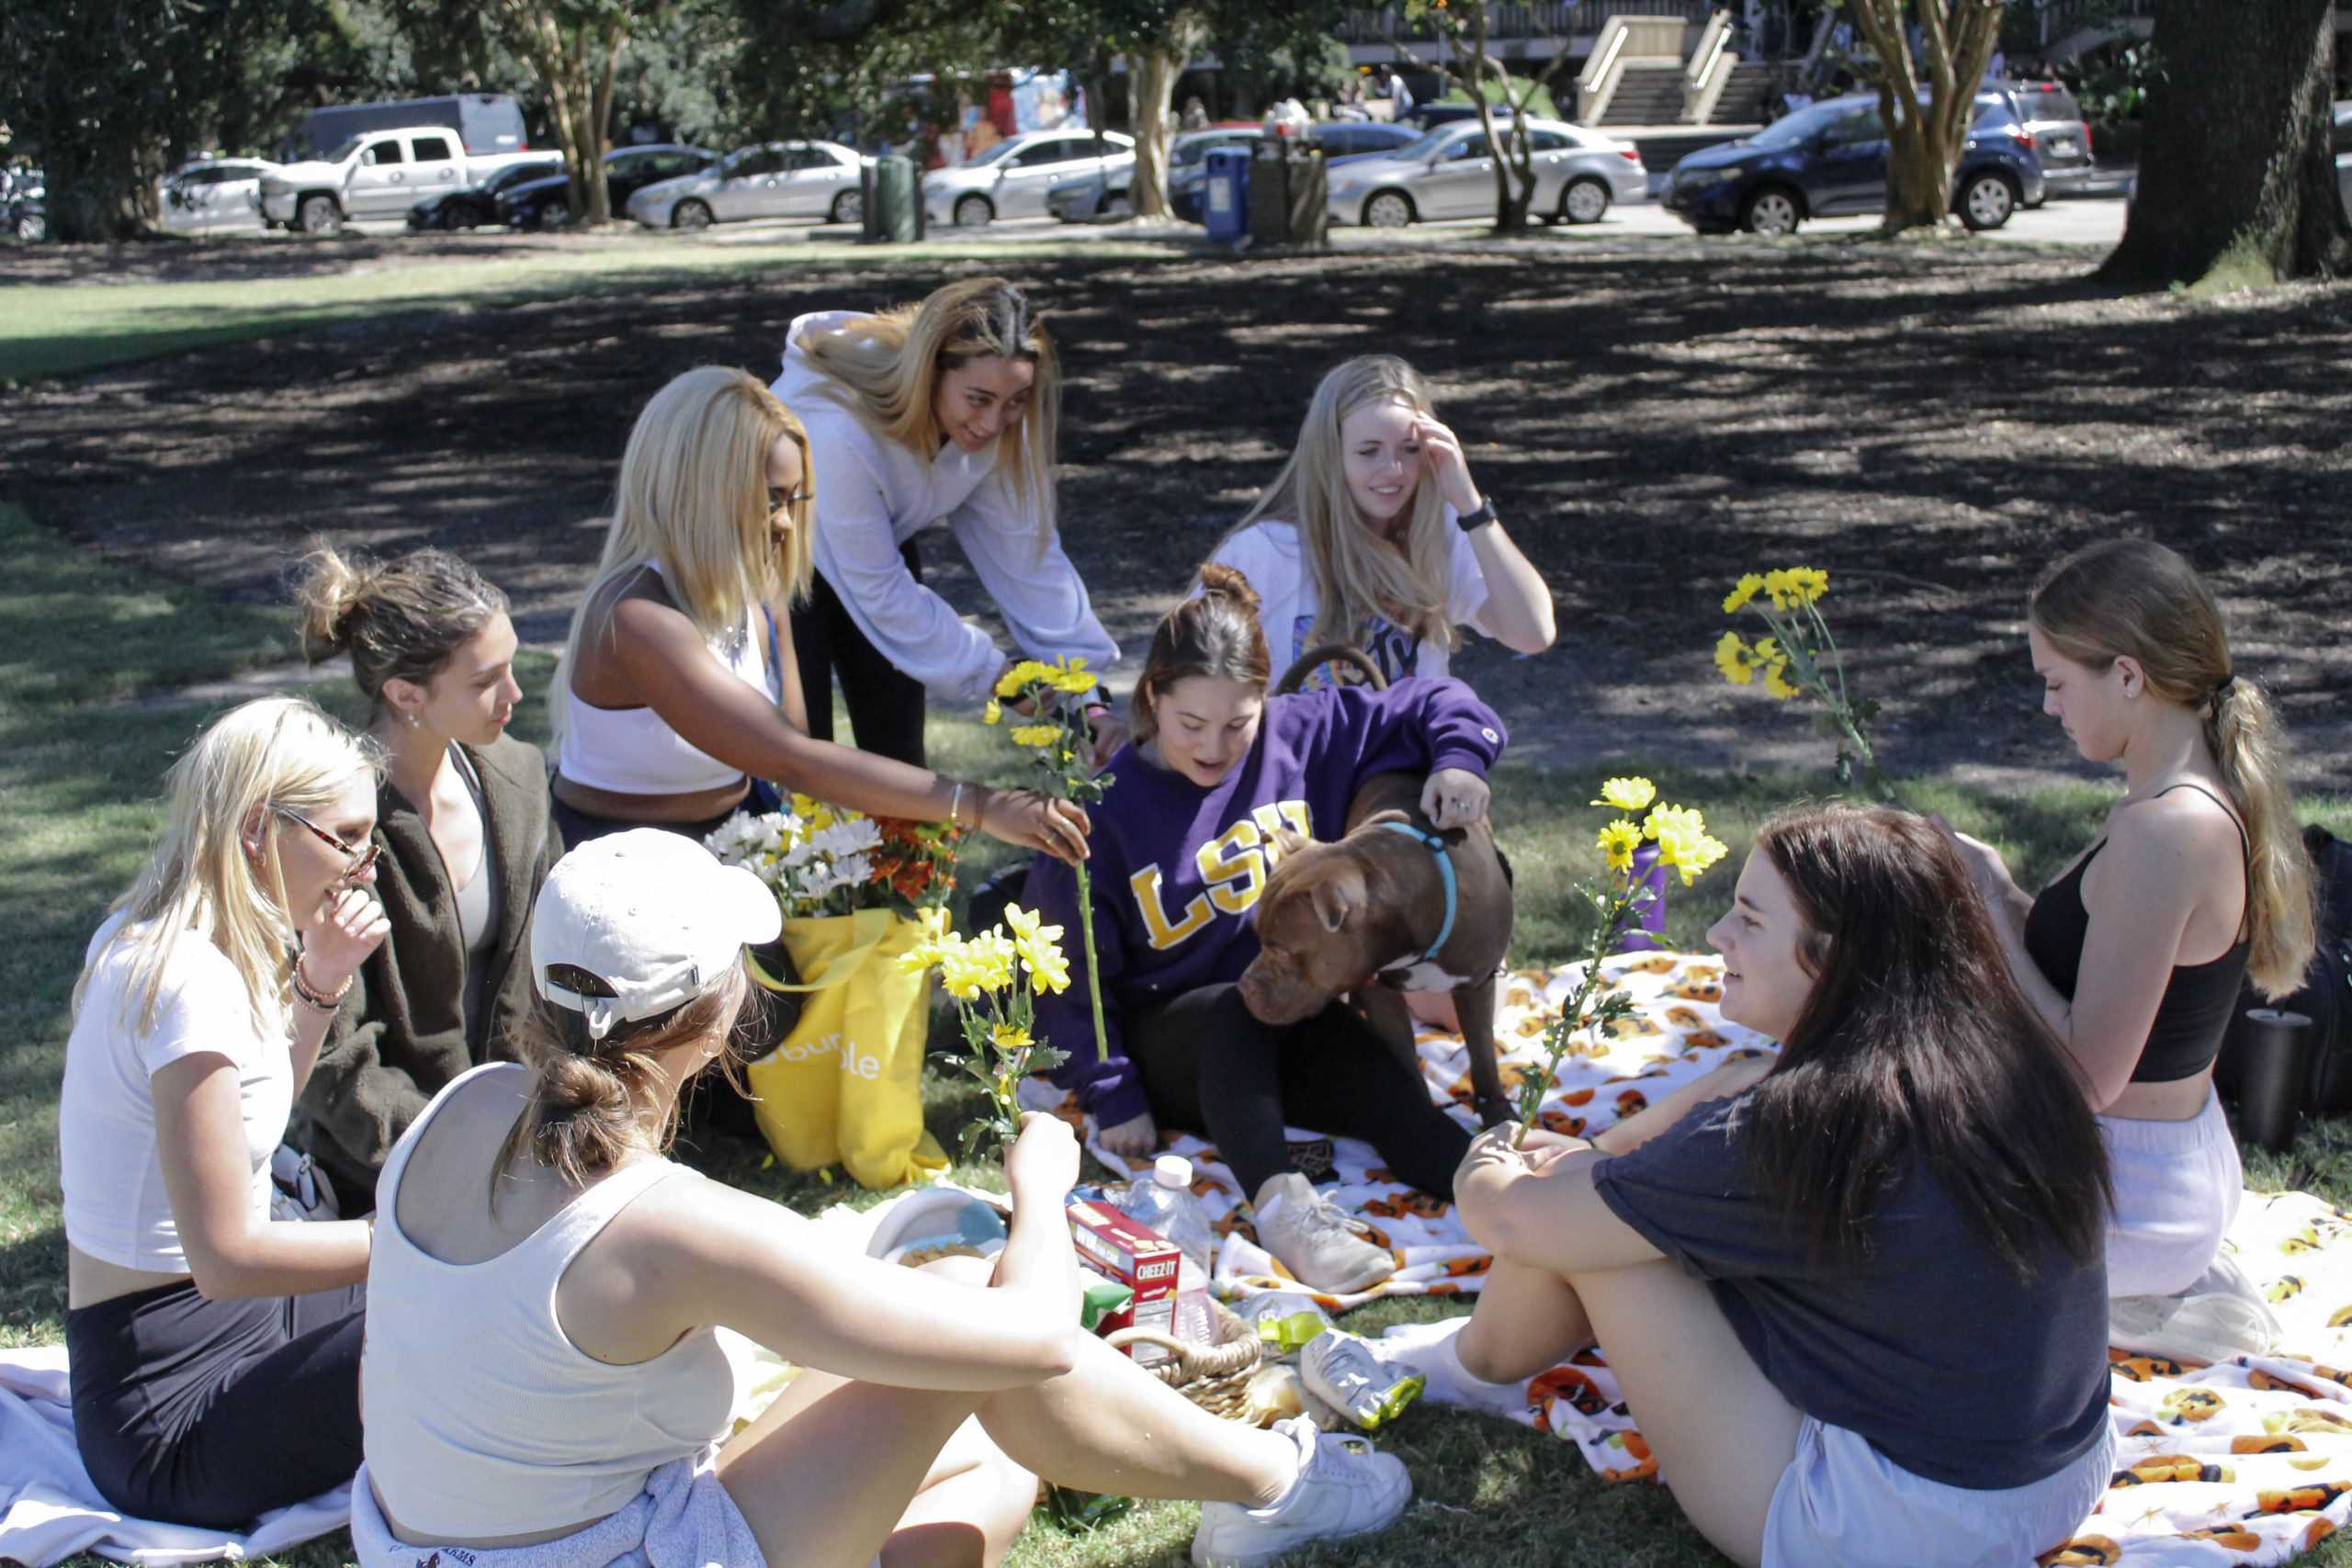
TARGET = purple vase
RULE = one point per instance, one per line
(1649, 920)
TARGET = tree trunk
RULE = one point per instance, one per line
(1154, 75)
(2236, 175)
(1924, 139)
(600, 198)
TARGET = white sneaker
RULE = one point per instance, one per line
(2219, 1317)
(1321, 1246)
(1343, 1488)
(1351, 1376)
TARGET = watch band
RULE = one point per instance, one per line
(1479, 518)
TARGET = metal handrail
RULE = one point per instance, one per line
(1604, 57)
(1712, 44)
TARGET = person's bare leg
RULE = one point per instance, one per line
(968, 1510)
(1721, 1434)
(1108, 1426)
(1527, 1321)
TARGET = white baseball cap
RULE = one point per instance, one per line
(653, 915)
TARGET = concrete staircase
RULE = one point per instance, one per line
(1748, 96)
(1646, 94)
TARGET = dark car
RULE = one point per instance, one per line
(471, 207)
(1188, 171)
(1829, 159)
(546, 203)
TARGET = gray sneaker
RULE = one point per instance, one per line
(1321, 1247)
(1344, 1488)
(2220, 1316)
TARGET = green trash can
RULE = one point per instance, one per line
(893, 202)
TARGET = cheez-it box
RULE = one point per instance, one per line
(1139, 1257)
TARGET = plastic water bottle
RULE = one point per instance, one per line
(1166, 1205)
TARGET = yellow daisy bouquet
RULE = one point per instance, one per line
(1618, 900)
(994, 978)
(1053, 733)
(1800, 657)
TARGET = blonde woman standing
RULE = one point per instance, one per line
(678, 688)
(941, 411)
(1374, 533)
(2136, 955)
(462, 821)
(216, 1350)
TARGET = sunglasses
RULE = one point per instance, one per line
(357, 860)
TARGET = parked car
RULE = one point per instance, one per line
(487, 124)
(1101, 193)
(2061, 138)
(379, 174)
(1339, 140)
(24, 204)
(544, 201)
(208, 195)
(769, 179)
(1450, 173)
(1012, 178)
(1831, 158)
(2344, 154)
(476, 207)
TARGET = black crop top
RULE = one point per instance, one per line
(2185, 1034)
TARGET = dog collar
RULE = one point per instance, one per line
(1436, 846)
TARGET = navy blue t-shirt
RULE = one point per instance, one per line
(1931, 1349)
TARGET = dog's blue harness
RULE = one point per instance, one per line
(1436, 846)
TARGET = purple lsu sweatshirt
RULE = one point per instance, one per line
(1177, 868)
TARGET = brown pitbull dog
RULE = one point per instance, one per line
(1368, 917)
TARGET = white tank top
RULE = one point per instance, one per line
(634, 751)
(483, 1418)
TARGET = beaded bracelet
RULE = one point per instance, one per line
(314, 999)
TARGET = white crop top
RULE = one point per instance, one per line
(483, 1418)
(635, 752)
(117, 1209)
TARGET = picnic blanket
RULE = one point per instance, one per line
(2247, 1461)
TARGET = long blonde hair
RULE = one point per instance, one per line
(887, 367)
(268, 755)
(2135, 598)
(693, 497)
(1357, 575)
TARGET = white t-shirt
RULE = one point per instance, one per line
(1268, 554)
(117, 1209)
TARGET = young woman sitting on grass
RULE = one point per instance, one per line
(216, 1350)
(1853, 1294)
(1182, 846)
(544, 1386)
(461, 817)
(2137, 956)
(1374, 534)
(678, 687)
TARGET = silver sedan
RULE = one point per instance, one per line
(774, 179)
(1450, 173)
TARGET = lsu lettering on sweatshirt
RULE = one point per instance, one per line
(1177, 868)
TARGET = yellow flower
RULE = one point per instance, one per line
(1806, 583)
(1778, 588)
(1742, 593)
(816, 815)
(1026, 674)
(1074, 678)
(932, 950)
(975, 964)
(1626, 795)
(993, 712)
(1618, 842)
(1690, 853)
(1735, 659)
(1005, 1037)
(1039, 946)
(1038, 735)
(1776, 680)
(1768, 648)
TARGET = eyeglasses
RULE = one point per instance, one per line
(779, 498)
(357, 861)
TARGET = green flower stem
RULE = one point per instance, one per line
(1093, 968)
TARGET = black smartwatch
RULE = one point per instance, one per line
(1479, 519)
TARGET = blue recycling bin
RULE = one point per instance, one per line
(1225, 194)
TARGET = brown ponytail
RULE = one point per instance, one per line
(587, 1096)
(2135, 598)
(1214, 633)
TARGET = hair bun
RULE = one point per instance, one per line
(328, 591)
(1225, 581)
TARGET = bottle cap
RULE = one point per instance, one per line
(1172, 1171)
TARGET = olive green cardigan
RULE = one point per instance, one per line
(401, 1033)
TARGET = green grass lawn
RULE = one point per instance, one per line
(91, 656)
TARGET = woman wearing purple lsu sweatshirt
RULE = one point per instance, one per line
(1182, 849)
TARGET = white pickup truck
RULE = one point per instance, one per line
(378, 173)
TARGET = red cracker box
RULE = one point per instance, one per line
(1136, 1257)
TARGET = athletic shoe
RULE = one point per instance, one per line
(1344, 1488)
(1319, 1245)
(2219, 1317)
(936, 1221)
(1351, 1376)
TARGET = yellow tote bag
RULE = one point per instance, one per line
(845, 1087)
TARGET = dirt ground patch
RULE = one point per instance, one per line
(1931, 424)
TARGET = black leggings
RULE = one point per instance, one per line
(205, 1412)
(885, 705)
(1209, 1067)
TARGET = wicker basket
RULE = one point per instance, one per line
(1214, 1376)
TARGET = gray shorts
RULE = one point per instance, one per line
(1842, 1502)
(2177, 1189)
